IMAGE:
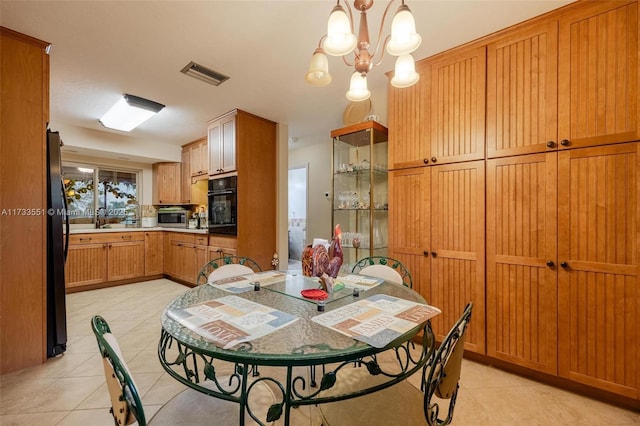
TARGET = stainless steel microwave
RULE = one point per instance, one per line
(173, 218)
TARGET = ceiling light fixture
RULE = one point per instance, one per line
(340, 41)
(129, 112)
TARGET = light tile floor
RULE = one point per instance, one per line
(70, 390)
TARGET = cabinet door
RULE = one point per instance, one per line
(167, 183)
(198, 157)
(522, 78)
(521, 239)
(215, 151)
(153, 253)
(458, 106)
(228, 144)
(125, 260)
(409, 223)
(201, 259)
(598, 66)
(185, 176)
(86, 264)
(598, 288)
(216, 252)
(409, 132)
(457, 248)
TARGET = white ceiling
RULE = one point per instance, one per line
(102, 49)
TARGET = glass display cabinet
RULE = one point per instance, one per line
(359, 190)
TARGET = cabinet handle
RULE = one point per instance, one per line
(85, 239)
(109, 245)
(434, 254)
(564, 265)
(434, 159)
(125, 237)
(551, 144)
(426, 253)
(425, 161)
(550, 263)
(565, 142)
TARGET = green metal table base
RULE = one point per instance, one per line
(192, 368)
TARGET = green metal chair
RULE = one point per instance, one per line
(188, 407)
(384, 267)
(225, 267)
(440, 385)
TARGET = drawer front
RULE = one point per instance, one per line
(109, 237)
(182, 237)
(224, 242)
(202, 240)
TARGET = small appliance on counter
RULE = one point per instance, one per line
(149, 222)
(173, 217)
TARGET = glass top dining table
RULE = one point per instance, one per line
(190, 357)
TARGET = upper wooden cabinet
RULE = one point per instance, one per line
(222, 144)
(598, 74)
(198, 157)
(458, 106)
(409, 122)
(167, 183)
(522, 80)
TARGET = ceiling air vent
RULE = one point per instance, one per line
(204, 74)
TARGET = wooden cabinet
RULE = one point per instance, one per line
(457, 114)
(100, 258)
(153, 253)
(598, 254)
(246, 145)
(438, 232)
(522, 82)
(222, 144)
(598, 74)
(199, 158)
(24, 106)
(222, 246)
(409, 131)
(187, 254)
(522, 260)
(167, 183)
(185, 176)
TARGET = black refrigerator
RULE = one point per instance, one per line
(57, 248)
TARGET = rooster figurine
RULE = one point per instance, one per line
(317, 260)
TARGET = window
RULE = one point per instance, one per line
(116, 191)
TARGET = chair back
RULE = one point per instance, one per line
(126, 406)
(441, 377)
(226, 267)
(384, 267)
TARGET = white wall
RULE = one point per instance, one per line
(318, 156)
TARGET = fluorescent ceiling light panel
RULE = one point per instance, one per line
(129, 112)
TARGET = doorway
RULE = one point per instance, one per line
(298, 185)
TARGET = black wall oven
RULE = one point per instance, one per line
(223, 202)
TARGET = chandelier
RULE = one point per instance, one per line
(340, 41)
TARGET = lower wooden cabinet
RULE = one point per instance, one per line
(99, 258)
(153, 253)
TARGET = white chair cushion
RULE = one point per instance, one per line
(228, 271)
(382, 271)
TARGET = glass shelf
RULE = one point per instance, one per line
(359, 190)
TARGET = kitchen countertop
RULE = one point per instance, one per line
(155, 228)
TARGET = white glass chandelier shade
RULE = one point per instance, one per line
(358, 90)
(340, 40)
(129, 112)
(318, 74)
(405, 74)
(404, 38)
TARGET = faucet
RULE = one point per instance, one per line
(101, 214)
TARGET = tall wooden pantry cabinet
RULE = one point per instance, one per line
(24, 113)
(552, 198)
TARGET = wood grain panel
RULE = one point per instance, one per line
(458, 106)
(521, 238)
(153, 253)
(522, 80)
(598, 291)
(86, 264)
(598, 72)
(125, 260)
(409, 131)
(457, 225)
(409, 211)
(24, 111)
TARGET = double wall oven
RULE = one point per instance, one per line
(223, 202)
